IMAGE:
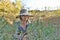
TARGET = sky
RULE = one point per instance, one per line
(41, 4)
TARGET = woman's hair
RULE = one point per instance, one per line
(20, 18)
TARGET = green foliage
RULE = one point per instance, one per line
(37, 30)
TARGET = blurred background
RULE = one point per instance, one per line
(45, 23)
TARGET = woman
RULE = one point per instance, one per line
(21, 31)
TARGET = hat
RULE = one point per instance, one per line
(24, 12)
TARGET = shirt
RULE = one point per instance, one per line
(21, 29)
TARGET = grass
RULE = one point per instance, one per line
(38, 30)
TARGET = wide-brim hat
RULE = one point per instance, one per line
(24, 12)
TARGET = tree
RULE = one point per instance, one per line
(9, 10)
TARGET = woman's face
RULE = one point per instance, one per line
(25, 18)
